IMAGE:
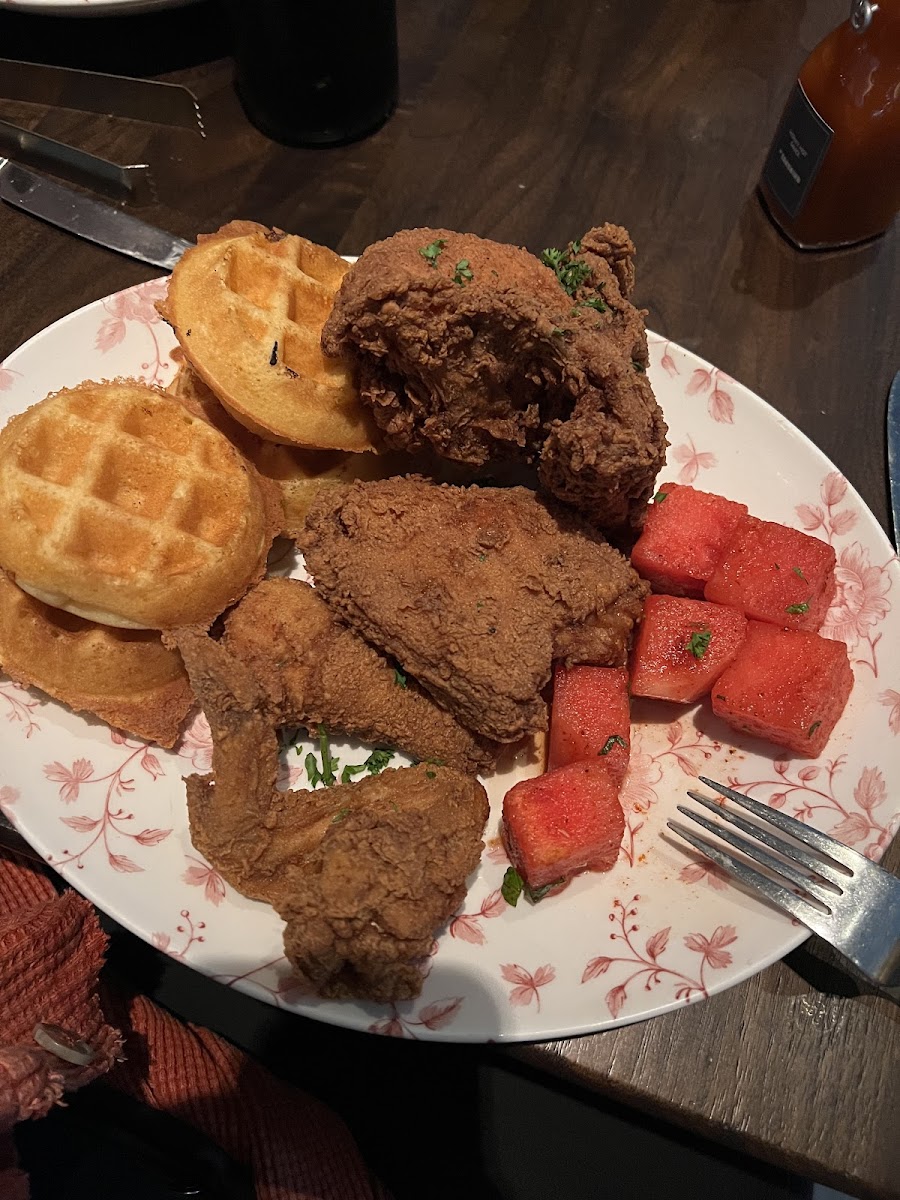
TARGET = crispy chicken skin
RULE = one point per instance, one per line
(316, 671)
(478, 352)
(364, 874)
(474, 591)
(380, 885)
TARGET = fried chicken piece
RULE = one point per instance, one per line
(379, 885)
(477, 350)
(474, 591)
(316, 671)
(414, 835)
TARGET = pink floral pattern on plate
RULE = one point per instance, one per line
(110, 812)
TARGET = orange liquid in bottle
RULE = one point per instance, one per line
(832, 177)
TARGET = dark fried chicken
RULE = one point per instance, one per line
(474, 591)
(414, 834)
(316, 671)
(477, 350)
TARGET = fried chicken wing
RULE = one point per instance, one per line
(361, 904)
(317, 671)
(474, 591)
(482, 353)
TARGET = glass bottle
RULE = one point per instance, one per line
(315, 72)
(832, 175)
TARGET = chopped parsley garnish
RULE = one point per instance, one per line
(638, 366)
(799, 573)
(350, 770)
(329, 762)
(596, 302)
(812, 729)
(511, 887)
(570, 272)
(514, 886)
(339, 815)
(797, 610)
(431, 251)
(463, 273)
(659, 497)
(377, 761)
(431, 774)
(615, 739)
(698, 643)
(312, 769)
(482, 558)
(399, 678)
(535, 895)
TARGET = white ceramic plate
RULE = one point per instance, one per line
(89, 8)
(658, 931)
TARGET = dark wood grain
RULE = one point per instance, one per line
(529, 122)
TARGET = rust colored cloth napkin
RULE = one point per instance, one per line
(51, 953)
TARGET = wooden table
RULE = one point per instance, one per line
(529, 122)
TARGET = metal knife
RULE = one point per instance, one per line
(893, 444)
(91, 219)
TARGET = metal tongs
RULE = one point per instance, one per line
(116, 96)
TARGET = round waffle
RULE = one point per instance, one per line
(122, 507)
(298, 474)
(125, 677)
(247, 305)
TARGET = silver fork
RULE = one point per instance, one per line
(849, 901)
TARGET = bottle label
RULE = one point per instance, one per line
(797, 152)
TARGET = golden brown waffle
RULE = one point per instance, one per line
(299, 474)
(125, 677)
(122, 507)
(247, 305)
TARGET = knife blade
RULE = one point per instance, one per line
(893, 444)
(91, 219)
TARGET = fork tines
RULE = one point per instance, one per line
(830, 872)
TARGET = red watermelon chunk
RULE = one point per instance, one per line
(563, 822)
(787, 686)
(684, 536)
(682, 646)
(590, 718)
(776, 574)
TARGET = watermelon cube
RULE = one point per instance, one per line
(777, 574)
(590, 718)
(684, 537)
(563, 822)
(683, 646)
(787, 686)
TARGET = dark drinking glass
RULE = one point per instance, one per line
(315, 72)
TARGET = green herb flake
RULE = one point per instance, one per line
(482, 558)
(659, 497)
(431, 251)
(339, 815)
(698, 643)
(797, 610)
(799, 573)
(463, 273)
(350, 770)
(812, 729)
(377, 761)
(597, 303)
(570, 272)
(329, 762)
(512, 886)
(614, 739)
(431, 774)
(399, 678)
(312, 769)
(639, 367)
(536, 895)
(394, 807)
